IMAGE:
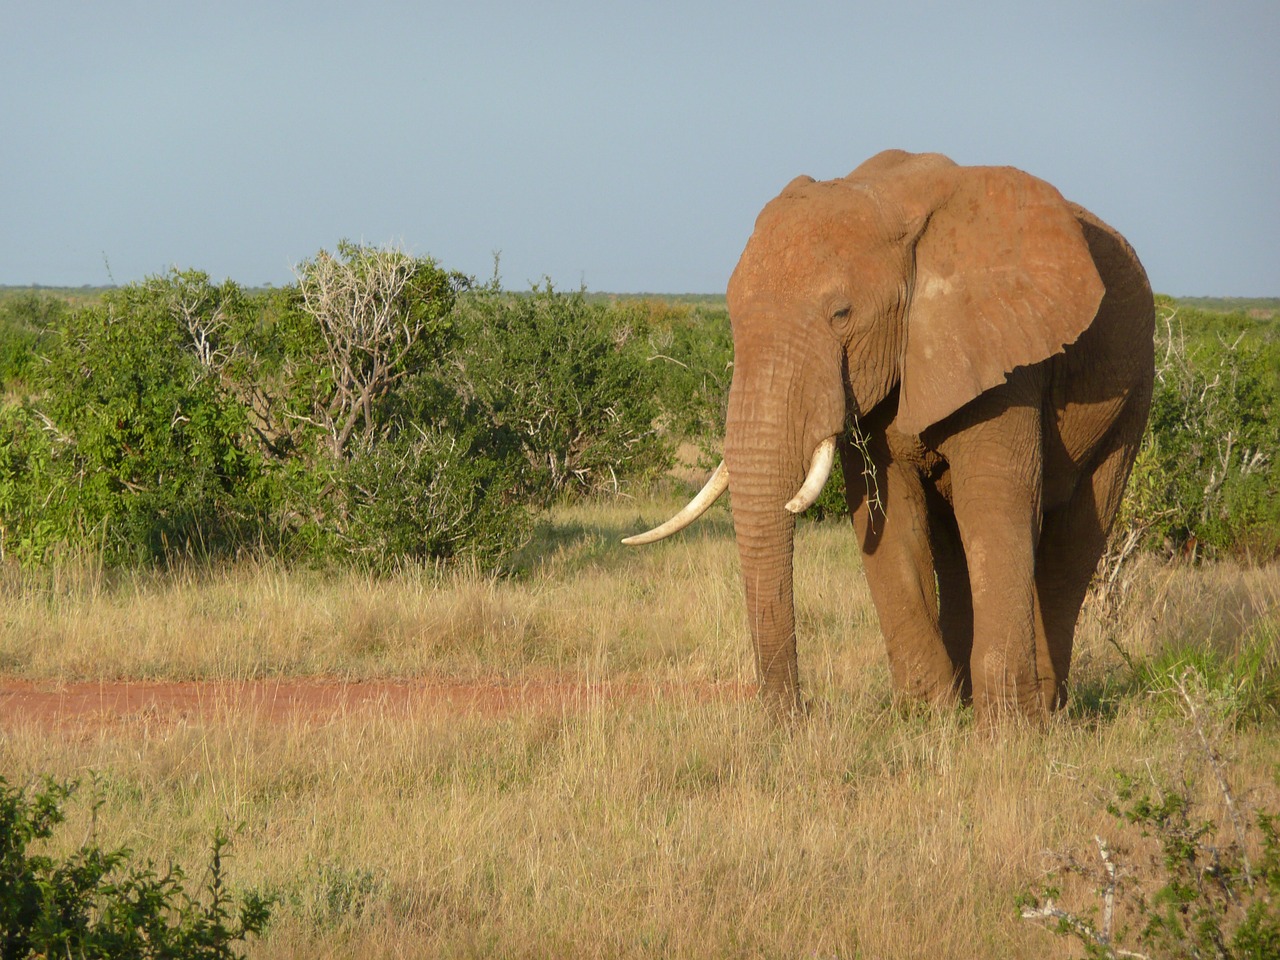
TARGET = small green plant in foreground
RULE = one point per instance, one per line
(98, 904)
(1201, 895)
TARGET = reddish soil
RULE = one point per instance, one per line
(310, 700)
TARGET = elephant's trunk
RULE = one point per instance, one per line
(765, 535)
(786, 399)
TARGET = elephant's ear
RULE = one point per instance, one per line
(1003, 278)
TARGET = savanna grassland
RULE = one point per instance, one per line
(684, 823)
(387, 477)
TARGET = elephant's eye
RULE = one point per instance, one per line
(841, 314)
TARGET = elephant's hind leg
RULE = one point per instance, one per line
(1072, 541)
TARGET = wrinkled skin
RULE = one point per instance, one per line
(994, 343)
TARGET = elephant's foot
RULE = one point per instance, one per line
(779, 677)
(783, 703)
(930, 679)
(1053, 693)
(1008, 698)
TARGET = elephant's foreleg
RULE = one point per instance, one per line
(899, 565)
(995, 468)
(955, 600)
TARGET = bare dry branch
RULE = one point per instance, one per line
(1050, 911)
(662, 356)
(356, 301)
(1109, 891)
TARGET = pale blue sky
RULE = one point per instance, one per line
(625, 145)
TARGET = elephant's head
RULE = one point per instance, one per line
(910, 273)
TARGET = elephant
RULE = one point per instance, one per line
(979, 352)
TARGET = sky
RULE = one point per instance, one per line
(626, 147)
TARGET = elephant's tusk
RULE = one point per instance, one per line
(716, 485)
(819, 470)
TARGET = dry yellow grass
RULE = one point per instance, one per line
(586, 606)
(668, 827)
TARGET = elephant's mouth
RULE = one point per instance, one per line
(820, 465)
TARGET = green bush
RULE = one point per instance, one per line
(569, 380)
(23, 320)
(30, 516)
(1202, 896)
(134, 445)
(323, 421)
(430, 494)
(99, 903)
(690, 364)
(1207, 478)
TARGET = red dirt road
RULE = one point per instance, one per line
(310, 700)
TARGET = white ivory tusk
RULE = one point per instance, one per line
(819, 470)
(716, 485)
